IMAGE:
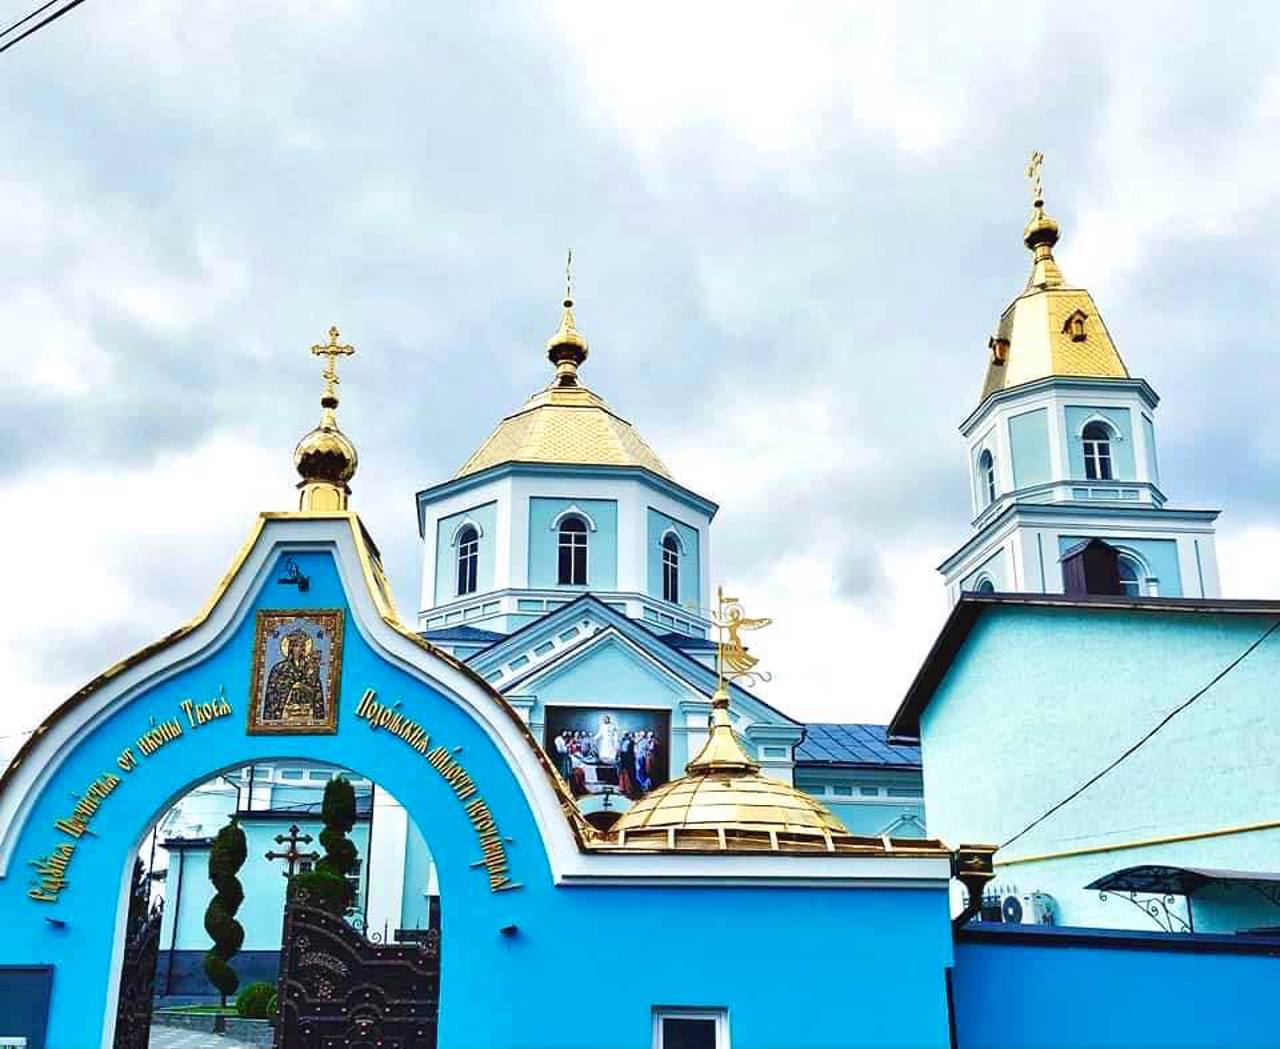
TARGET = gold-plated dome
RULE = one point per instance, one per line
(724, 802)
(1051, 328)
(565, 423)
(325, 457)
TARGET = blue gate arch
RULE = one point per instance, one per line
(534, 904)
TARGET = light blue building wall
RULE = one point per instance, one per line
(447, 528)
(414, 907)
(1029, 447)
(993, 568)
(1041, 694)
(1153, 461)
(602, 541)
(690, 556)
(1121, 421)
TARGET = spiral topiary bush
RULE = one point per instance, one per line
(327, 884)
(225, 858)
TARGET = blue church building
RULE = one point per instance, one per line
(561, 769)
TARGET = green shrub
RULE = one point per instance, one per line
(225, 858)
(257, 1001)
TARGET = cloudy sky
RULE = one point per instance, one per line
(794, 226)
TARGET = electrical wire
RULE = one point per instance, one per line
(27, 18)
(1161, 724)
(39, 25)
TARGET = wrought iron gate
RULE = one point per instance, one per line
(137, 984)
(338, 990)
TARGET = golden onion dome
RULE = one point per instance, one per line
(565, 423)
(326, 453)
(1042, 229)
(723, 802)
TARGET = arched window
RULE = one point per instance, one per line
(671, 568)
(1097, 451)
(468, 560)
(985, 587)
(573, 552)
(987, 476)
(1131, 576)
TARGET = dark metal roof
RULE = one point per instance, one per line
(905, 724)
(463, 633)
(837, 744)
(685, 643)
(1181, 881)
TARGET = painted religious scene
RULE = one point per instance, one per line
(609, 750)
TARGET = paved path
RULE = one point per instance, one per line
(176, 1038)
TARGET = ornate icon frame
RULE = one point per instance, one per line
(332, 621)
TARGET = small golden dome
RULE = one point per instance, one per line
(724, 802)
(1042, 229)
(326, 453)
(567, 348)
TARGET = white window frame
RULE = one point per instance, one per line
(586, 548)
(1090, 449)
(988, 479)
(672, 554)
(466, 562)
(719, 1015)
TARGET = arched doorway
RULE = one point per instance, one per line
(280, 809)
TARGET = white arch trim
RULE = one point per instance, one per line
(466, 522)
(573, 510)
(373, 614)
(1113, 431)
(670, 531)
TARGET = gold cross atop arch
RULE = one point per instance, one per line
(332, 349)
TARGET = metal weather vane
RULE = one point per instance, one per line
(733, 661)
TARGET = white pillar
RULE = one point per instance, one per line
(386, 862)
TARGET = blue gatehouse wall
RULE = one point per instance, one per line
(1063, 988)
(607, 937)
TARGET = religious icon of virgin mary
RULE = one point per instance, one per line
(296, 667)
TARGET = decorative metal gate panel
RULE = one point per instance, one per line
(137, 984)
(338, 990)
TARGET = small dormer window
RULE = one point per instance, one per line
(1074, 326)
(671, 568)
(987, 476)
(1097, 451)
(468, 560)
(573, 552)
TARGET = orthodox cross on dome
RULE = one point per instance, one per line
(333, 350)
(568, 276)
(293, 839)
(1033, 173)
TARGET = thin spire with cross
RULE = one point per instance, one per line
(293, 839)
(333, 350)
(568, 278)
(1033, 173)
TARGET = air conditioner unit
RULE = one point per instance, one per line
(1028, 908)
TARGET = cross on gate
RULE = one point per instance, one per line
(293, 839)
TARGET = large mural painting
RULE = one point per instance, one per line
(609, 750)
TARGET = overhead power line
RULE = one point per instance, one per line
(1161, 724)
(39, 25)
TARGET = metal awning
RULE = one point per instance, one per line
(1185, 881)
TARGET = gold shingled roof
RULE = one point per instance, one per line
(566, 422)
(724, 803)
(1040, 334)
